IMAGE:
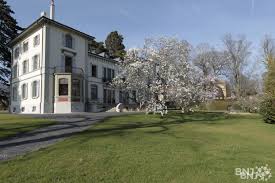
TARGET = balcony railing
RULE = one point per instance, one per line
(107, 80)
(71, 70)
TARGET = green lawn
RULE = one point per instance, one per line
(11, 125)
(199, 148)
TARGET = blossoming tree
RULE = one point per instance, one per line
(161, 72)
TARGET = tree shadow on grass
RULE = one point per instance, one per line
(109, 128)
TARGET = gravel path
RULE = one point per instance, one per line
(67, 125)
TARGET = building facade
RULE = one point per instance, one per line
(54, 71)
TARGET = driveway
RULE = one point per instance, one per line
(67, 125)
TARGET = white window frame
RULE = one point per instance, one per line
(94, 86)
(96, 74)
(66, 41)
(25, 42)
(15, 71)
(15, 51)
(37, 87)
(36, 40)
(38, 62)
(24, 93)
(14, 93)
(27, 67)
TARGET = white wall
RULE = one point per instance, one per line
(29, 77)
(100, 63)
(51, 51)
(55, 58)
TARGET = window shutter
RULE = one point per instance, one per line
(20, 49)
(27, 91)
(91, 65)
(38, 61)
(21, 92)
(74, 62)
(38, 88)
(32, 63)
(73, 43)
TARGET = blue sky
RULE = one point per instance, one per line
(194, 20)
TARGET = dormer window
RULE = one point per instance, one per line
(68, 41)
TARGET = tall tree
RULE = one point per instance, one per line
(268, 48)
(97, 47)
(210, 61)
(8, 31)
(237, 51)
(268, 105)
(114, 45)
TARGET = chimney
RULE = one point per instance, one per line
(43, 14)
(52, 10)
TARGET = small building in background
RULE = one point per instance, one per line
(223, 90)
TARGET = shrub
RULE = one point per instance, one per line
(268, 105)
(218, 105)
(268, 109)
(249, 104)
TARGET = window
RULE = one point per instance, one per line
(108, 74)
(109, 96)
(94, 91)
(35, 62)
(105, 74)
(25, 46)
(24, 91)
(76, 88)
(113, 73)
(35, 89)
(36, 40)
(63, 87)
(68, 41)
(14, 93)
(68, 64)
(25, 67)
(16, 53)
(94, 71)
(15, 71)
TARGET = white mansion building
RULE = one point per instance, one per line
(54, 71)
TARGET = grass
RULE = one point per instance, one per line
(11, 125)
(199, 148)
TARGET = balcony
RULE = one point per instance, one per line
(68, 70)
(107, 80)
